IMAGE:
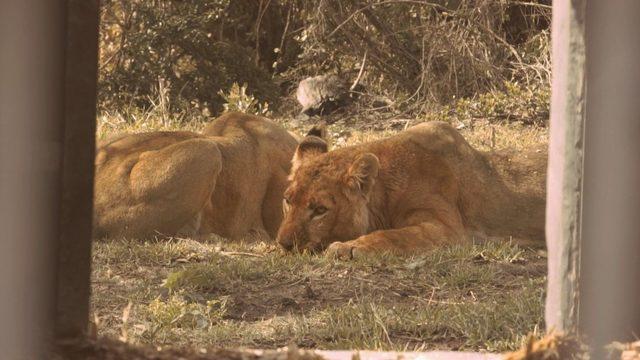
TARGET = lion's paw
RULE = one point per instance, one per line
(340, 250)
(343, 250)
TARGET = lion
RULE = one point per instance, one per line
(420, 189)
(229, 180)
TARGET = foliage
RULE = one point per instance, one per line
(434, 51)
(416, 53)
(237, 99)
(176, 44)
(516, 103)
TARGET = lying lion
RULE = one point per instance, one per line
(420, 189)
(228, 180)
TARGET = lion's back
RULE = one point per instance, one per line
(235, 124)
(262, 137)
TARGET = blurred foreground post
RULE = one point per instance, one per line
(80, 83)
(610, 284)
(593, 199)
(48, 62)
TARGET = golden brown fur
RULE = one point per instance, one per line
(422, 188)
(228, 180)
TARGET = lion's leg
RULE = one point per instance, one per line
(170, 187)
(424, 231)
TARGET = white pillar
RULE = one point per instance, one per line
(564, 181)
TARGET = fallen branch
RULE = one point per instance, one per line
(364, 61)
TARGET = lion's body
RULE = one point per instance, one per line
(421, 188)
(228, 180)
(256, 162)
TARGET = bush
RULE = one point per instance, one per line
(517, 103)
(433, 50)
(417, 53)
(145, 43)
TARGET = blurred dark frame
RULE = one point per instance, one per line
(48, 68)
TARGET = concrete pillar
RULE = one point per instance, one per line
(564, 180)
(593, 200)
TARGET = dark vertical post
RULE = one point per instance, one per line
(564, 182)
(32, 43)
(74, 255)
(611, 227)
(48, 67)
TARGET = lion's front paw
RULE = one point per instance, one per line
(340, 250)
(343, 250)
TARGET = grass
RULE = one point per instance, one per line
(182, 292)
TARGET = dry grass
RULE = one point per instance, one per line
(135, 121)
(110, 349)
(513, 119)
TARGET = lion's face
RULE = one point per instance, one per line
(327, 198)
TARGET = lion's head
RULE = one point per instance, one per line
(327, 198)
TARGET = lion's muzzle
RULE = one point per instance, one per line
(286, 243)
(292, 237)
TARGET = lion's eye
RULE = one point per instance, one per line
(319, 210)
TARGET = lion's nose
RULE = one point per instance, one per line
(286, 243)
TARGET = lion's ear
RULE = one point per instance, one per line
(309, 147)
(319, 130)
(363, 172)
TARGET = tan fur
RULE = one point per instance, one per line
(229, 180)
(422, 188)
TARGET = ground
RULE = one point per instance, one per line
(213, 293)
(183, 292)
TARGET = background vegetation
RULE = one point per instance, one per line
(417, 54)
